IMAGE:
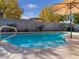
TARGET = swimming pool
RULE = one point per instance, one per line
(36, 40)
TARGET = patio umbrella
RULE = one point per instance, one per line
(68, 7)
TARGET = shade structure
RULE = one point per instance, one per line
(69, 1)
(68, 7)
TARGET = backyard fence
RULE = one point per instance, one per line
(24, 25)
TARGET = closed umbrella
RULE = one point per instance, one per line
(68, 7)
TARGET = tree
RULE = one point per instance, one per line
(49, 16)
(76, 18)
(10, 9)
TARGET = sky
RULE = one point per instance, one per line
(32, 8)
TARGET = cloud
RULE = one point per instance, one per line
(29, 15)
(24, 17)
(32, 6)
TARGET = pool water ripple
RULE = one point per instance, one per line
(36, 40)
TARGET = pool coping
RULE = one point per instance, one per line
(37, 32)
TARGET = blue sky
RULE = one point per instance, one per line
(32, 8)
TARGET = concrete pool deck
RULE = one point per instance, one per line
(62, 52)
(69, 51)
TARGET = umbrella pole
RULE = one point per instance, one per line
(70, 22)
(71, 28)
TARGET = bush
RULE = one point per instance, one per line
(69, 29)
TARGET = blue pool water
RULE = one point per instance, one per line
(36, 40)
